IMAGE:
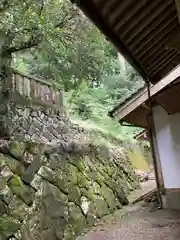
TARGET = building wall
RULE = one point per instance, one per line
(159, 166)
(167, 129)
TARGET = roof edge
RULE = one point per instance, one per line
(141, 97)
(117, 106)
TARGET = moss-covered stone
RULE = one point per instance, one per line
(106, 176)
(17, 149)
(88, 193)
(2, 207)
(80, 165)
(109, 197)
(111, 171)
(54, 201)
(74, 195)
(111, 184)
(28, 158)
(72, 174)
(90, 218)
(6, 194)
(82, 181)
(72, 190)
(76, 218)
(6, 173)
(8, 226)
(36, 182)
(14, 165)
(62, 183)
(47, 174)
(96, 188)
(50, 189)
(2, 162)
(3, 183)
(29, 173)
(18, 209)
(101, 207)
(69, 233)
(34, 147)
(99, 178)
(57, 161)
(21, 190)
(121, 195)
(58, 177)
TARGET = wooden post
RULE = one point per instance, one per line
(178, 9)
(151, 130)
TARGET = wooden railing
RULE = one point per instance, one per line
(35, 90)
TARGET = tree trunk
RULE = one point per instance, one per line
(5, 57)
(5, 83)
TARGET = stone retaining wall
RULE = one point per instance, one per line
(54, 179)
(31, 109)
(55, 192)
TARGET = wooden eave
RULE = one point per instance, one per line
(165, 93)
(143, 31)
(143, 135)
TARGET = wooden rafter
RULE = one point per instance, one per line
(141, 31)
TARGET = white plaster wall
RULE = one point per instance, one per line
(167, 129)
(159, 167)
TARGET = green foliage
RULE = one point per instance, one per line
(54, 40)
(59, 43)
(91, 103)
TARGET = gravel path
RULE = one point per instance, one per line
(138, 223)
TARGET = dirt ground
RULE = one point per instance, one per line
(138, 222)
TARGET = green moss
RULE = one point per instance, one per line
(101, 207)
(18, 209)
(99, 178)
(47, 174)
(74, 195)
(111, 171)
(72, 174)
(109, 197)
(62, 184)
(14, 165)
(89, 194)
(21, 190)
(96, 188)
(2, 208)
(2, 162)
(76, 218)
(69, 233)
(8, 227)
(82, 181)
(80, 165)
(111, 184)
(58, 178)
(34, 147)
(17, 149)
(2, 183)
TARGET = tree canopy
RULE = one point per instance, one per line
(58, 41)
(52, 39)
